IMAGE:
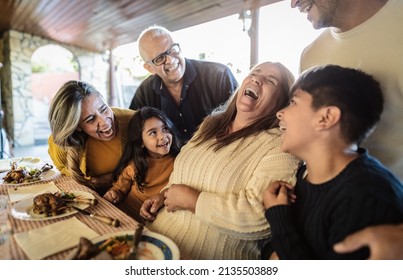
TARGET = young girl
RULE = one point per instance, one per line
(147, 161)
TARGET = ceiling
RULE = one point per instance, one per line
(100, 25)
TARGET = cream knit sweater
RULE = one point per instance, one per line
(229, 219)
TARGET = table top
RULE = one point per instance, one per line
(66, 183)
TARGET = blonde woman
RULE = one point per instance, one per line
(88, 136)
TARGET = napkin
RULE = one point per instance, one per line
(25, 192)
(48, 240)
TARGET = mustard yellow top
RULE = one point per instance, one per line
(99, 157)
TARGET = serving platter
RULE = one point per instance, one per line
(28, 163)
(5, 164)
(23, 209)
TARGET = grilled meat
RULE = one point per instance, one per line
(49, 204)
(16, 175)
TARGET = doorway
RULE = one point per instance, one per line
(52, 66)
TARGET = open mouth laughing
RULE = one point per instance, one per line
(165, 145)
(252, 93)
(282, 127)
(105, 132)
(305, 7)
(172, 67)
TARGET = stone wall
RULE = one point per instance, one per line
(16, 50)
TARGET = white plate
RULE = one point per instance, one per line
(23, 209)
(30, 162)
(5, 164)
(152, 246)
(49, 175)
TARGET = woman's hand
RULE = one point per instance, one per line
(102, 180)
(278, 193)
(113, 196)
(102, 183)
(181, 197)
(150, 207)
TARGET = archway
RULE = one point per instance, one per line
(52, 66)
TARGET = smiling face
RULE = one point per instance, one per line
(297, 123)
(157, 138)
(258, 90)
(97, 119)
(173, 69)
(322, 13)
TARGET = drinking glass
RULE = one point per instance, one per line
(5, 232)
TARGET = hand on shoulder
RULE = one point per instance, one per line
(384, 241)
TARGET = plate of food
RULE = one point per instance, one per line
(48, 205)
(6, 163)
(27, 170)
(152, 246)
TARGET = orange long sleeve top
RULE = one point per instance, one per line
(157, 177)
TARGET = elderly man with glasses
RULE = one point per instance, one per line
(186, 90)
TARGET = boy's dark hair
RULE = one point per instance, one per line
(357, 94)
(134, 149)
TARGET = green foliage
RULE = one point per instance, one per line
(38, 68)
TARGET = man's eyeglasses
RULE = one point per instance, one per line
(161, 58)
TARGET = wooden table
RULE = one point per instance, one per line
(104, 208)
